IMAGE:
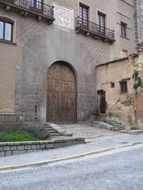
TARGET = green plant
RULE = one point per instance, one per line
(12, 137)
(38, 131)
(137, 80)
(134, 128)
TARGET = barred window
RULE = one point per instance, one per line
(123, 87)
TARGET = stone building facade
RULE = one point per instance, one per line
(121, 90)
(44, 46)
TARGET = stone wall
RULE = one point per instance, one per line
(24, 63)
(11, 148)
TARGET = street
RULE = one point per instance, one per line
(120, 169)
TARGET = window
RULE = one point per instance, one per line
(36, 5)
(83, 13)
(123, 87)
(112, 84)
(101, 22)
(123, 30)
(6, 30)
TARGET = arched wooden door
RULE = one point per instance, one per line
(61, 94)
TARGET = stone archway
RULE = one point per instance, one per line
(61, 94)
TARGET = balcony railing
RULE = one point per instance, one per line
(94, 30)
(30, 6)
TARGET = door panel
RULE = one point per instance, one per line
(61, 94)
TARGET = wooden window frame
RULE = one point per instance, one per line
(7, 21)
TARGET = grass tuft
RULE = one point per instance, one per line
(15, 136)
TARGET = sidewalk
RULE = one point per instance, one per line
(98, 145)
(85, 130)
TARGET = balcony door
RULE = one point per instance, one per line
(36, 5)
(101, 22)
(84, 14)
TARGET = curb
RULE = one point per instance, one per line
(41, 163)
(13, 148)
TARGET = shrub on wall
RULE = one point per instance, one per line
(137, 81)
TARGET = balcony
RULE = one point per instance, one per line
(94, 30)
(30, 7)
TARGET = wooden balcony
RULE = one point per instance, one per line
(30, 7)
(94, 30)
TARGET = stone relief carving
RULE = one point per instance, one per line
(64, 17)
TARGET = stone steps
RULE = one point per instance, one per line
(86, 130)
(110, 125)
(52, 132)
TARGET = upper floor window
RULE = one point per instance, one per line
(101, 22)
(123, 30)
(84, 14)
(6, 30)
(36, 5)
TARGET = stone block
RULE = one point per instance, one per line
(33, 147)
(50, 146)
(6, 148)
(43, 146)
(22, 151)
(20, 148)
(8, 153)
(27, 147)
(16, 152)
(58, 145)
(13, 148)
(30, 151)
(38, 146)
(2, 154)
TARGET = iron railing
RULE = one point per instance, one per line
(35, 6)
(94, 29)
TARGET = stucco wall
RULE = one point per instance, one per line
(120, 106)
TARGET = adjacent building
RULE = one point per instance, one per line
(139, 21)
(49, 51)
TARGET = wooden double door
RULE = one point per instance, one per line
(61, 94)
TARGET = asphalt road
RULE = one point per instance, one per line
(115, 170)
